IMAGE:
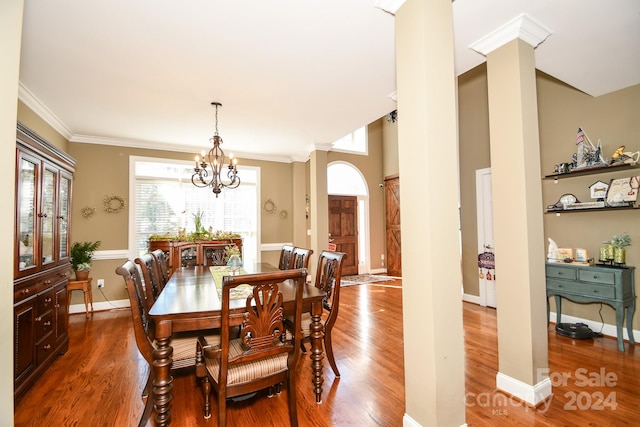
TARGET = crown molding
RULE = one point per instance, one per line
(38, 107)
(523, 27)
(148, 145)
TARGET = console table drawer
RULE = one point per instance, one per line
(582, 289)
(561, 273)
(597, 276)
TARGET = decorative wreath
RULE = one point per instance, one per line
(113, 203)
(283, 214)
(269, 206)
(88, 211)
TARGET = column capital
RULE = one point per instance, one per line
(523, 27)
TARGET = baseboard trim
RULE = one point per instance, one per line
(532, 395)
(100, 306)
(407, 421)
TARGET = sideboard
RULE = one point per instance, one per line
(594, 284)
(201, 252)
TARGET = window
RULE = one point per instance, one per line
(163, 200)
(355, 142)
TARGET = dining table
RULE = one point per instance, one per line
(191, 301)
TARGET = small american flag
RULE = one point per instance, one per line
(580, 136)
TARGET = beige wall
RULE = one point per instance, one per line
(562, 109)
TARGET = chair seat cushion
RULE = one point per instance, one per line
(184, 346)
(247, 371)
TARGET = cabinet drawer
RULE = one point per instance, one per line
(44, 349)
(561, 273)
(581, 289)
(43, 325)
(45, 302)
(23, 292)
(607, 277)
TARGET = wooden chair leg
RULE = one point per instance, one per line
(222, 409)
(206, 391)
(291, 393)
(148, 408)
(328, 349)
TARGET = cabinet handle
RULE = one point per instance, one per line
(595, 291)
(39, 319)
(25, 291)
(47, 323)
(42, 215)
(48, 300)
(46, 347)
(47, 282)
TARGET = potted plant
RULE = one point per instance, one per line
(81, 254)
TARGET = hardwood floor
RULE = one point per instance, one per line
(99, 381)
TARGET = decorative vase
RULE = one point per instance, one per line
(610, 252)
(603, 253)
(82, 275)
(620, 255)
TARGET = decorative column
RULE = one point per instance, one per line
(517, 208)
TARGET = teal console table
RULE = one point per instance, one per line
(600, 284)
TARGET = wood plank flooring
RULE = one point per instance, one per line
(99, 381)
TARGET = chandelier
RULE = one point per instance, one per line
(215, 158)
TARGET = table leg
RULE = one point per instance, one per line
(86, 301)
(619, 319)
(163, 381)
(630, 311)
(316, 350)
(558, 309)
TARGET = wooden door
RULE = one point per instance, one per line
(343, 230)
(392, 210)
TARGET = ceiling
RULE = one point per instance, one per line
(292, 76)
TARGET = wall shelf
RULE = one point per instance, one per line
(592, 171)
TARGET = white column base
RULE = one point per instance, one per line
(530, 394)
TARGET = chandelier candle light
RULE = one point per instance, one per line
(215, 158)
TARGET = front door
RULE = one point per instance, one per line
(343, 230)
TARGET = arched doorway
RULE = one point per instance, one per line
(344, 179)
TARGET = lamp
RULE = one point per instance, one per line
(215, 158)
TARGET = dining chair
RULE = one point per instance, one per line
(300, 258)
(144, 331)
(259, 358)
(286, 255)
(328, 278)
(151, 277)
(163, 263)
(213, 254)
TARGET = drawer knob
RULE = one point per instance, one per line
(38, 319)
(25, 291)
(47, 323)
(46, 347)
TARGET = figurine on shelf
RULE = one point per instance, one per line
(616, 157)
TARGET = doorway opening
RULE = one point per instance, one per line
(344, 179)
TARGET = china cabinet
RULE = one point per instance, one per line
(44, 179)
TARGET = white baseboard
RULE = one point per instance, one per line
(407, 421)
(100, 306)
(475, 299)
(378, 271)
(531, 394)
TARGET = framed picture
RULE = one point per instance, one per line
(623, 191)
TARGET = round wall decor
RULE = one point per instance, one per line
(269, 206)
(88, 211)
(113, 203)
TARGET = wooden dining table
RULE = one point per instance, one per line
(191, 301)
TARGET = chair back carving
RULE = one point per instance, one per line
(214, 254)
(286, 256)
(151, 276)
(143, 326)
(301, 257)
(328, 277)
(163, 264)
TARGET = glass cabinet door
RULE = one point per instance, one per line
(64, 203)
(47, 214)
(26, 212)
